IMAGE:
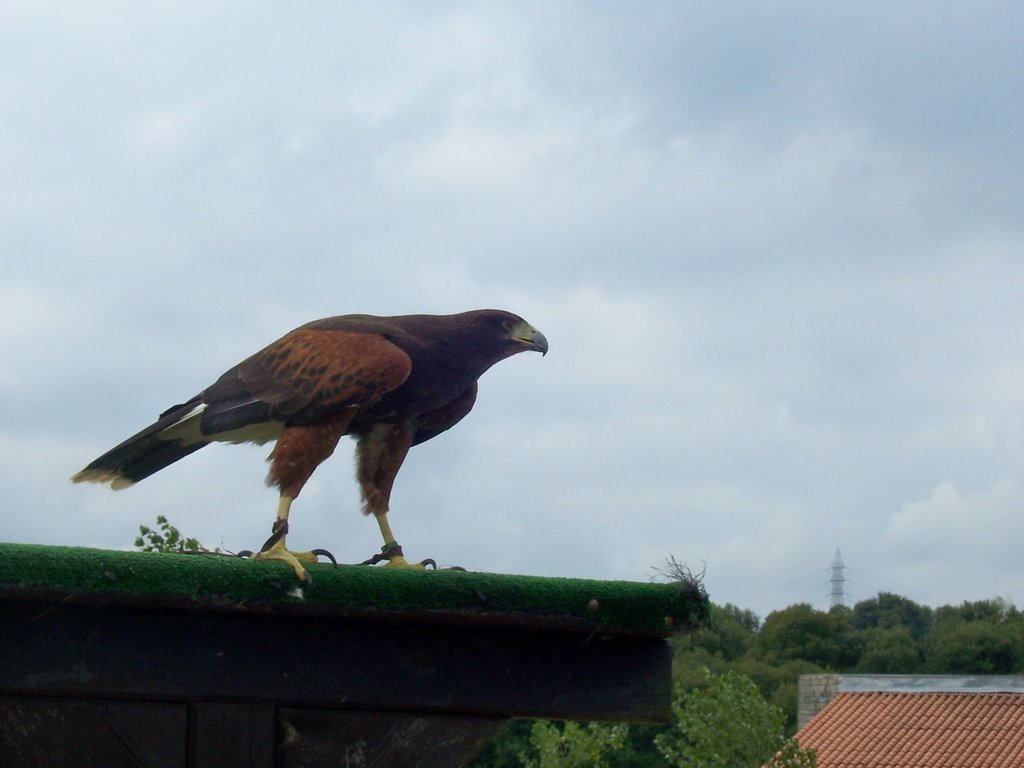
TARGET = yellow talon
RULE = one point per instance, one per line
(391, 551)
(294, 559)
(275, 548)
(398, 561)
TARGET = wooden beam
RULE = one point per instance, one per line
(47, 732)
(231, 735)
(329, 662)
(379, 739)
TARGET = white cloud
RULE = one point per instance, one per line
(959, 543)
(983, 525)
(779, 272)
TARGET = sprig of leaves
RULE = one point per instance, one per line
(166, 538)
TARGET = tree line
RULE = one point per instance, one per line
(740, 663)
(886, 634)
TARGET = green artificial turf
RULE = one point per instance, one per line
(195, 580)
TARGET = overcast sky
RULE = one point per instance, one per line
(777, 249)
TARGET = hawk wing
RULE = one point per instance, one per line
(303, 376)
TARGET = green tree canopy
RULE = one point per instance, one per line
(730, 633)
(801, 632)
(889, 651)
(889, 610)
(728, 724)
(995, 611)
(573, 745)
(976, 648)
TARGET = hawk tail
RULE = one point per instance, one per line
(149, 451)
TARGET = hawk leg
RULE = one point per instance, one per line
(380, 452)
(392, 550)
(275, 549)
(298, 452)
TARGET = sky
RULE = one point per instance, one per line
(777, 250)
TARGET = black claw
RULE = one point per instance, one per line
(389, 550)
(277, 532)
(453, 568)
(429, 561)
(244, 553)
(325, 553)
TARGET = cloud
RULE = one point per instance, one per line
(957, 542)
(776, 253)
(982, 525)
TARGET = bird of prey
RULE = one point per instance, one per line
(389, 382)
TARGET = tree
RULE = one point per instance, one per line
(507, 748)
(888, 610)
(981, 637)
(728, 724)
(890, 650)
(574, 745)
(730, 632)
(801, 632)
(777, 683)
(975, 648)
(638, 751)
(995, 611)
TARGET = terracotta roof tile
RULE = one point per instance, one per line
(918, 730)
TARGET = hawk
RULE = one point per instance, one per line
(389, 382)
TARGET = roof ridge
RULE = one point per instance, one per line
(931, 683)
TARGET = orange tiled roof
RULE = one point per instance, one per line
(918, 730)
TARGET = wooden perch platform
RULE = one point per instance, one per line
(132, 659)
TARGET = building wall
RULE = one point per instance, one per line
(814, 693)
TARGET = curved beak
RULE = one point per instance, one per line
(532, 338)
(539, 342)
